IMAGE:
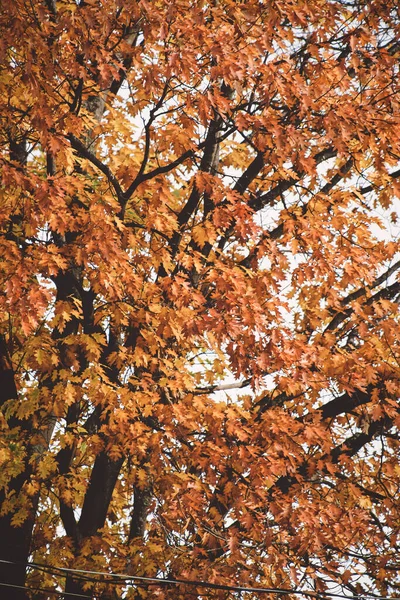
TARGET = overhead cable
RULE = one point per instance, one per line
(112, 578)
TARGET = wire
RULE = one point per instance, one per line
(37, 589)
(57, 571)
(190, 582)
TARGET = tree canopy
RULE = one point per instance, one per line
(199, 326)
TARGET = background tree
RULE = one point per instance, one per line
(194, 193)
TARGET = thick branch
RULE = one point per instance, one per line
(84, 152)
(259, 202)
(370, 188)
(98, 495)
(349, 447)
(139, 514)
(388, 293)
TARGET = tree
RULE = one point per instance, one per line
(198, 196)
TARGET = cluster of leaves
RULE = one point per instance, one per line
(195, 192)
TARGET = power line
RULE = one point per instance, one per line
(38, 589)
(161, 581)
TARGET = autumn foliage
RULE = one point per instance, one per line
(199, 327)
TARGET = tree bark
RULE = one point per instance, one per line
(15, 542)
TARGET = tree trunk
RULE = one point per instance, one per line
(15, 542)
(74, 588)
